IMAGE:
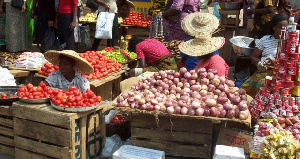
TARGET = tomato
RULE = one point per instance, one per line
(21, 89)
(56, 67)
(74, 104)
(72, 88)
(57, 102)
(47, 88)
(29, 86)
(41, 72)
(71, 99)
(39, 89)
(3, 96)
(42, 84)
(55, 91)
(80, 103)
(43, 68)
(30, 96)
(21, 94)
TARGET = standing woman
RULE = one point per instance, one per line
(177, 10)
(111, 6)
(16, 28)
(66, 22)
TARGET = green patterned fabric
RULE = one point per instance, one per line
(164, 63)
(30, 21)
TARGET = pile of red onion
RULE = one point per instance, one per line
(201, 93)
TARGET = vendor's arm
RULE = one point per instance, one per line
(268, 9)
(141, 63)
(102, 3)
(256, 56)
(140, 56)
(75, 7)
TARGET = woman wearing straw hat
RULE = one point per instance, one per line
(152, 56)
(193, 24)
(70, 65)
(203, 47)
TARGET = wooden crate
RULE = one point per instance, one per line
(177, 136)
(42, 132)
(6, 131)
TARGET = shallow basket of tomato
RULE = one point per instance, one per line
(75, 109)
(8, 95)
(35, 101)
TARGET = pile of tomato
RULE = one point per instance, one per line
(102, 65)
(109, 49)
(7, 96)
(74, 98)
(31, 92)
(47, 69)
(117, 120)
(138, 20)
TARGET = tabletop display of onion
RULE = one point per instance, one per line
(201, 93)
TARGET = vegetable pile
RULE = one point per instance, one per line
(201, 93)
(74, 98)
(102, 65)
(172, 46)
(10, 57)
(138, 20)
(31, 92)
(47, 69)
(119, 56)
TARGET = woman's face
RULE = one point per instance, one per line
(277, 28)
(66, 66)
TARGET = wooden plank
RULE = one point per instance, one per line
(7, 150)
(42, 148)
(157, 134)
(6, 131)
(6, 111)
(175, 149)
(174, 123)
(19, 73)
(7, 140)
(23, 154)
(48, 115)
(42, 132)
(116, 91)
(83, 139)
(7, 122)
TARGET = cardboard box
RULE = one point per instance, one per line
(228, 152)
(129, 152)
(234, 137)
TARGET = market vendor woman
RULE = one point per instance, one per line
(264, 55)
(70, 65)
(152, 56)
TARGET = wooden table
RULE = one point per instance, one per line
(30, 78)
(19, 73)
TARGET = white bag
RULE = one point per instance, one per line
(104, 25)
(77, 35)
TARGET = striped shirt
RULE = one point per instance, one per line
(268, 46)
(57, 80)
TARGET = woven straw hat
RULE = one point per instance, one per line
(81, 66)
(202, 44)
(130, 4)
(199, 22)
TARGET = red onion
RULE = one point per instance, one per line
(213, 111)
(183, 93)
(176, 75)
(137, 97)
(203, 75)
(243, 105)
(204, 81)
(180, 84)
(211, 87)
(183, 80)
(183, 70)
(120, 99)
(184, 110)
(230, 83)
(210, 75)
(159, 99)
(178, 89)
(217, 92)
(157, 107)
(170, 110)
(166, 92)
(130, 100)
(151, 96)
(244, 97)
(130, 94)
(203, 93)
(194, 76)
(133, 105)
(216, 82)
(142, 101)
(172, 87)
(204, 87)
(168, 104)
(184, 98)
(195, 104)
(186, 89)
(235, 100)
(196, 88)
(191, 111)
(211, 102)
(213, 71)
(158, 82)
(222, 99)
(160, 89)
(242, 91)
(219, 107)
(199, 111)
(177, 109)
(221, 87)
(172, 92)
(176, 80)
(237, 112)
(227, 106)
(196, 95)
(125, 95)
(243, 115)
(222, 80)
(143, 107)
(163, 108)
(170, 77)
(165, 80)
(202, 70)
(221, 113)
(192, 82)
(150, 108)
(186, 85)
(154, 102)
(206, 111)
(121, 104)
(230, 114)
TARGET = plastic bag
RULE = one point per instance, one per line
(85, 43)
(104, 25)
(110, 116)
(77, 32)
(49, 42)
(112, 144)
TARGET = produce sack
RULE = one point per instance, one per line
(85, 42)
(112, 144)
(49, 42)
(104, 25)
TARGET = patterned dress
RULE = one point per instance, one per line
(185, 7)
(16, 29)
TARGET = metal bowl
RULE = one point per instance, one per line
(230, 5)
(241, 44)
(35, 101)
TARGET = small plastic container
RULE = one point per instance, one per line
(291, 70)
(268, 81)
(290, 49)
(289, 84)
(282, 70)
(294, 56)
(285, 91)
(283, 56)
(292, 42)
(287, 77)
(289, 63)
(280, 83)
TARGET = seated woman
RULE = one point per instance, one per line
(70, 63)
(195, 23)
(264, 55)
(152, 56)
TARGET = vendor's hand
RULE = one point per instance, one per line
(107, 6)
(50, 23)
(271, 60)
(261, 67)
(72, 25)
(24, 7)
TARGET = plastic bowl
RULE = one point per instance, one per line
(240, 45)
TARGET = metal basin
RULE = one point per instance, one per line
(240, 45)
(230, 5)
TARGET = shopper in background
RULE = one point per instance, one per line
(204, 6)
(111, 6)
(16, 28)
(175, 12)
(44, 16)
(264, 55)
(2, 25)
(152, 56)
(66, 22)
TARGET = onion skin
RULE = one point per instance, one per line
(202, 70)
(199, 111)
(237, 112)
(187, 75)
(243, 115)
(230, 114)
(213, 111)
(170, 110)
(183, 70)
(243, 105)
(206, 112)
(230, 83)
(228, 106)
(177, 110)
(222, 99)
(211, 102)
(191, 112)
